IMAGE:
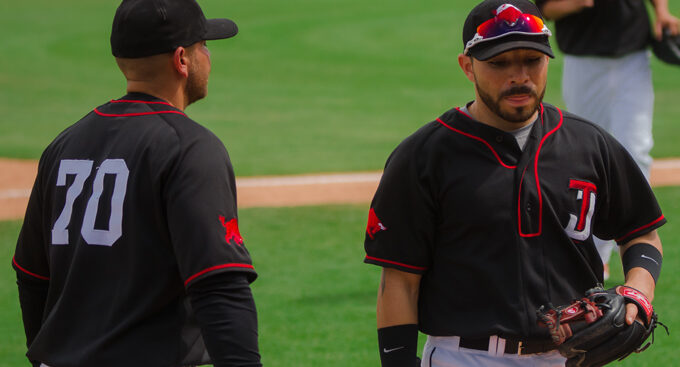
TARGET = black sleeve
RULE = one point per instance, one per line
(200, 199)
(224, 308)
(32, 298)
(628, 208)
(31, 265)
(402, 218)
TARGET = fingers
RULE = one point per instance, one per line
(666, 21)
(674, 25)
(658, 29)
(631, 313)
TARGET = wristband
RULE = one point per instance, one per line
(398, 345)
(645, 256)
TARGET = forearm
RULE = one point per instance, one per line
(660, 5)
(397, 316)
(557, 9)
(397, 298)
(32, 299)
(225, 310)
(639, 277)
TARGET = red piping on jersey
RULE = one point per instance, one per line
(538, 183)
(28, 272)
(478, 139)
(641, 228)
(135, 101)
(217, 267)
(395, 263)
(136, 113)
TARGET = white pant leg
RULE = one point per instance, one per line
(617, 94)
(444, 352)
(634, 108)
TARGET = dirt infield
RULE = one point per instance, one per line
(16, 179)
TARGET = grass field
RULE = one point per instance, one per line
(307, 85)
(315, 297)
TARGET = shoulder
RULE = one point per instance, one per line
(420, 143)
(555, 116)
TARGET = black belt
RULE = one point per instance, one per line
(511, 346)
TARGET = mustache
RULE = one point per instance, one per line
(522, 89)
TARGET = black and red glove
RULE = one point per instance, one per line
(592, 331)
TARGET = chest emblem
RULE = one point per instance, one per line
(579, 224)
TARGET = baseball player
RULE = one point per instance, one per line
(488, 212)
(606, 75)
(130, 253)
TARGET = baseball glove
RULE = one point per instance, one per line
(592, 331)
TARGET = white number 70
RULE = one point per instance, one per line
(82, 169)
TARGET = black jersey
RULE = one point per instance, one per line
(131, 206)
(610, 28)
(497, 232)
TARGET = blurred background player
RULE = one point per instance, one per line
(130, 253)
(607, 77)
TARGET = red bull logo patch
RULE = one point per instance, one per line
(374, 225)
(233, 234)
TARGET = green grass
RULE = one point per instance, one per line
(307, 86)
(315, 297)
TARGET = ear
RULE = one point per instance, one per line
(465, 63)
(180, 61)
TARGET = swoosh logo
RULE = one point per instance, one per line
(649, 258)
(385, 350)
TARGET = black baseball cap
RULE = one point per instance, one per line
(149, 27)
(508, 25)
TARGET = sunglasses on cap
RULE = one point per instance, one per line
(508, 20)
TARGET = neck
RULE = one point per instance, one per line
(483, 114)
(172, 93)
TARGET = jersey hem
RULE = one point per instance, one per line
(218, 267)
(642, 230)
(18, 267)
(393, 264)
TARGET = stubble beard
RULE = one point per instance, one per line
(517, 114)
(196, 87)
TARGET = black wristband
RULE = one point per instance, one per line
(645, 256)
(398, 345)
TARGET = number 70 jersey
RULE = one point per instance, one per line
(131, 205)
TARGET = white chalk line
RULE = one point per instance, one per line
(336, 178)
(269, 181)
(15, 194)
(322, 179)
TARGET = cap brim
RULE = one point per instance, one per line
(486, 51)
(220, 29)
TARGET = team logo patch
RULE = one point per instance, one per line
(233, 234)
(509, 13)
(571, 310)
(374, 225)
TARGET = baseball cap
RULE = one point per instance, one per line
(497, 26)
(149, 27)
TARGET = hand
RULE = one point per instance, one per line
(631, 314)
(664, 20)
